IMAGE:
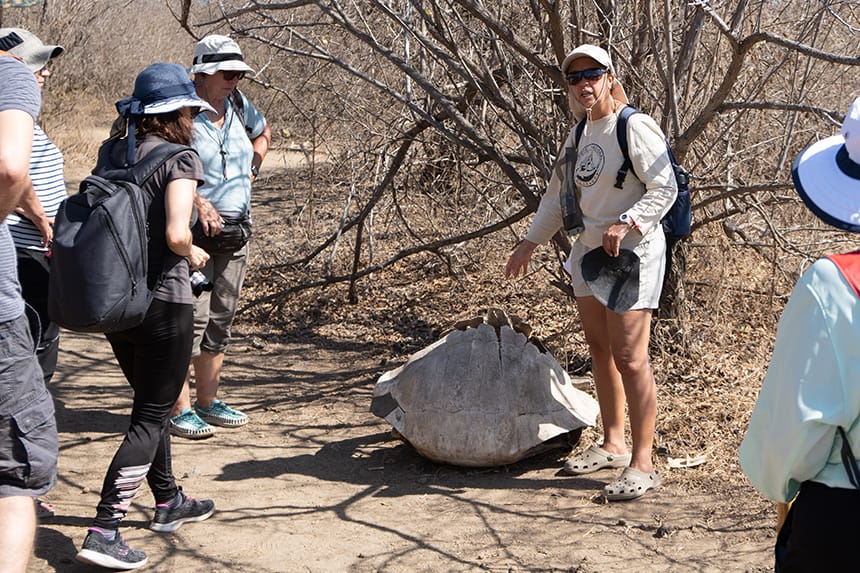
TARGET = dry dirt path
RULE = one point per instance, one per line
(315, 483)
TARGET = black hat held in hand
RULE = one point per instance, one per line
(614, 281)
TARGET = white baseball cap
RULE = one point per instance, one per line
(596, 53)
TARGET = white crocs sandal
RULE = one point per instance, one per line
(631, 485)
(595, 458)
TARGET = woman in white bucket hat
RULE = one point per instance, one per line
(232, 142)
(804, 434)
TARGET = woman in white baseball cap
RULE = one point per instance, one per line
(803, 438)
(617, 230)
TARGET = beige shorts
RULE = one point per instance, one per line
(214, 311)
(652, 261)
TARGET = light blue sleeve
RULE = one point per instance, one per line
(253, 118)
(803, 399)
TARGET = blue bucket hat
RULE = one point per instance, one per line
(160, 88)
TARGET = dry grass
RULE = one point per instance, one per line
(706, 387)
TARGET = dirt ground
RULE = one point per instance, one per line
(316, 483)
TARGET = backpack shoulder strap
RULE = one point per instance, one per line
(849, 265)
(621, 135)
(580, 127)
(148, 165)
(238, 103)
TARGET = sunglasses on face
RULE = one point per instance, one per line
(230, 76)
(574, 78)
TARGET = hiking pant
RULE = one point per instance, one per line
(33, 276)
(820, 530)
(154, 358)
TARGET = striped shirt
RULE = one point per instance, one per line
(46, 172)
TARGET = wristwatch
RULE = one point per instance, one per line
(255, 171)
(626, 219)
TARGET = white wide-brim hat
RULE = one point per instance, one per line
(827, 175)
(215, 53)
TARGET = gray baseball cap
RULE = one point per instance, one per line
(29, 48)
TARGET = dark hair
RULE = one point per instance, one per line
(175, 126)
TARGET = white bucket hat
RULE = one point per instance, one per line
(215, 53)
(827, 175)
(28, 47)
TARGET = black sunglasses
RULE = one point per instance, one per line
(574, 78)
(230, 76)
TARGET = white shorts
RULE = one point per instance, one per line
(652, 267)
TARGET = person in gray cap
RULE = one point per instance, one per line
(28, 431)
(803, 438)
(232, 142)
(153, 355)
(30, 223)
(615, 220)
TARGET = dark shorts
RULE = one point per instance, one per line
(28, 429)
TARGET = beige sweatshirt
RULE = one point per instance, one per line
(597, 164)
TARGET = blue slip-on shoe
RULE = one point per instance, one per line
(220, 414)
(189, 425)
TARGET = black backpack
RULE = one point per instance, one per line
(677, 224)
(99, 256)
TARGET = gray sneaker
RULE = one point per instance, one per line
(189, 425)
(111, 554)
(189, 511)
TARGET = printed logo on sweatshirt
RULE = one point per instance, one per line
(589, 165)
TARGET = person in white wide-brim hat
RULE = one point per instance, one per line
(232, 141)
(804, 434)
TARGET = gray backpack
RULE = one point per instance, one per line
(99, 256)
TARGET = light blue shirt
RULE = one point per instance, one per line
(226, 154)
(811, 387)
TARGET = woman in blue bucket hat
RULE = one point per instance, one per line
(154, 355)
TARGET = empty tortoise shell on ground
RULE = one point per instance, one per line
(485, 394)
